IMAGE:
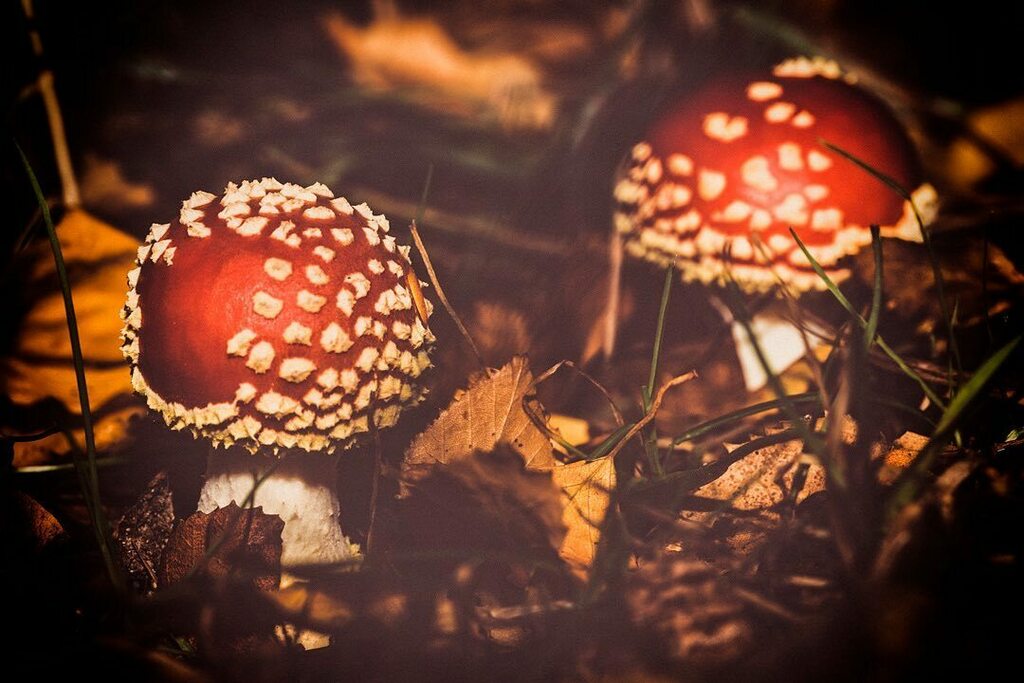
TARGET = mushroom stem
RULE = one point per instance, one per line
(298, 487)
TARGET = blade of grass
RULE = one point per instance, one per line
(650, 438)
(845, 303)
(871, 331)
(940, 288)
(807, 398)
(91, 489)
(910, 482)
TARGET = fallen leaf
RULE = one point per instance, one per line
(223, 542)
(39, 368)
(900, 456)
(26, 526)
(586, 493)
(143, 531)
(408, 53)
(103, 184)
(488, 413)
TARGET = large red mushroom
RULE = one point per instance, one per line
(722, 175)
(283, 324)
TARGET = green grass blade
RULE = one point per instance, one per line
(876, 291)
(886, 349)
(659, 332)
(925, 235)
(964, 398)
(808, 398)
(91, 479)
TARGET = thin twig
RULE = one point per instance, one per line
(441, 295)
(655, 406)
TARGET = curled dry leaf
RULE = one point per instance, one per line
(25, 525)
(586, 493)
(227, 540)
(489, 412)
(142, 533)
(38, 368)
(441, 73)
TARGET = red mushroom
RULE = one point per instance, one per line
(739, 162)
(732, 167)
(279, 321)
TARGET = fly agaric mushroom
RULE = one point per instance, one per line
(739, 162)
(723, 174)
(279, 320)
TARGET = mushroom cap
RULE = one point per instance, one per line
(740, 161)
(276, 317)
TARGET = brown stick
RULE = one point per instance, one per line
(646, 419)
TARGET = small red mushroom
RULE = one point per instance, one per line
(280, 321)
(722, 175)
(739, 162)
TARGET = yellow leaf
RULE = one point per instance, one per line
(586, 491)
(39, 365)
(488, 413)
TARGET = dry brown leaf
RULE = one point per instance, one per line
(900, 456)
(396, 52)
(104, 184)
(25, 525)
(142, 533)
(586, 492)
(488, 413)
(39, 366)
(224, 542)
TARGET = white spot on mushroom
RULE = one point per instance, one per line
(792, 209)
(741, 248)
(267, 210)
(780, 243)
(737, 211)
(169, 255)
(366, 359)
(641, 151)
(281, 232)
(389, 243)
(400, 329)
(345, 301)
(236, 210)
(372, 236)
(277, 268)
(245, 393)
(316, 275)
(365, 395)
(818, 161)
(827, 219)
(278, 405)
(720, 126)
(266, 305)
(320, 190)
(395, 269)
(379, 329)
(158, 250)
(653, 171)
(779, 112)
(710, 184)
(158, 230)
(349, 380)
(310, 302)
(261, 357)
(133, 277)
(273, 199)
(312, 233)
(710, 241)
(328, 379)
(375, 266)
(627, 192)
(790, 158)
(325, 253)
(295, 369)
(198, 230)
(199, 198)
(362, 325)
(344, 236)
(390, 354)
(297, 333)
(389, 386)
(334, 339)
(688, 221)
(816, 192)
(804, 119)
(342, 206)
(239, 344)
(293, 204)
(760, 219)
(360, 283)
(142, 253)
(252, 226)
(364, 210)
(680, 164)
(318, 213)
(762, 91)
(756, 173)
